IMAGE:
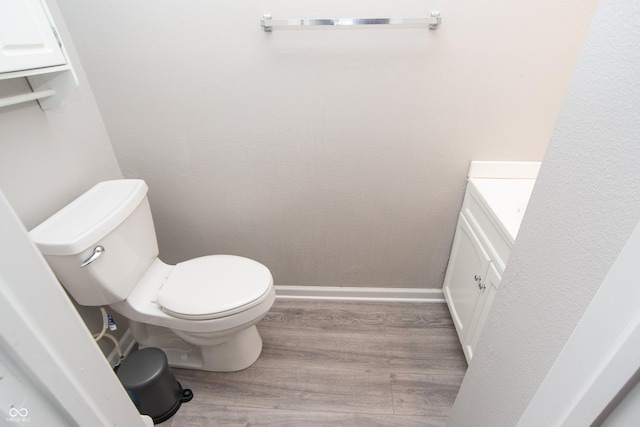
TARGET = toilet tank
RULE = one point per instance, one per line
(113, 215)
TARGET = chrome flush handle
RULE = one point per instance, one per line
(99, 250)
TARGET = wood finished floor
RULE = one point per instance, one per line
(328, 363)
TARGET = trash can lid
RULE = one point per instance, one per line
(143, 367)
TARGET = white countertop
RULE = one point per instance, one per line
(506, 199)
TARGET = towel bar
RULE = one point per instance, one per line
(267, 23)
(17, 99)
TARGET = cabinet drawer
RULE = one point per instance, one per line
(494, 238)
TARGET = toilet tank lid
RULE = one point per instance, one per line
(89, 218)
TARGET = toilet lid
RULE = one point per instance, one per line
(214, 286)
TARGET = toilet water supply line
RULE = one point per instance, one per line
(107, 322)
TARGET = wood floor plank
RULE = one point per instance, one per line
(323, 353)
(401, 312)
(336, 363)
(427, 357)
(418, 321)
(286, 388)
(212, 415)
(330, 318)
(416, 394)
(366, 355)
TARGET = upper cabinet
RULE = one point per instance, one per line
(30, 47)
(27, 39)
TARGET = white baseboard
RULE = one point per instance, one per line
(359, 294)
(127, 342)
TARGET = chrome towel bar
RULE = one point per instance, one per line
(267, 23)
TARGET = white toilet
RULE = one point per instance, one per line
(202, 312)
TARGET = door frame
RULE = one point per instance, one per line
(602, 355)
(46, 347)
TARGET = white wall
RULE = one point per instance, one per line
(584, 208)
(48, 158)
(336, 157)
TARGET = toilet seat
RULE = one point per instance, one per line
(214, 286)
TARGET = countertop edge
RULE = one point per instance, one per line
(503, 170)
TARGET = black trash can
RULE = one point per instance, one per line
(146, 376)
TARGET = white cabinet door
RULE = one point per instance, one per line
(27, 40)
(487, 292)
(467, 267)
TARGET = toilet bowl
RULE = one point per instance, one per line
(201, 312)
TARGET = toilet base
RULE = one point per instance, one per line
(231, 352)
(238, 351)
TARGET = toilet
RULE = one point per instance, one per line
(202, 312)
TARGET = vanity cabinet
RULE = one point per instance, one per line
(488, 289)
(470, 284)
(487, 227)
(463, 285)
(494, 204)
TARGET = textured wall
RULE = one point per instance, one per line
(584, 207)
(48, 158)
(334, 157)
